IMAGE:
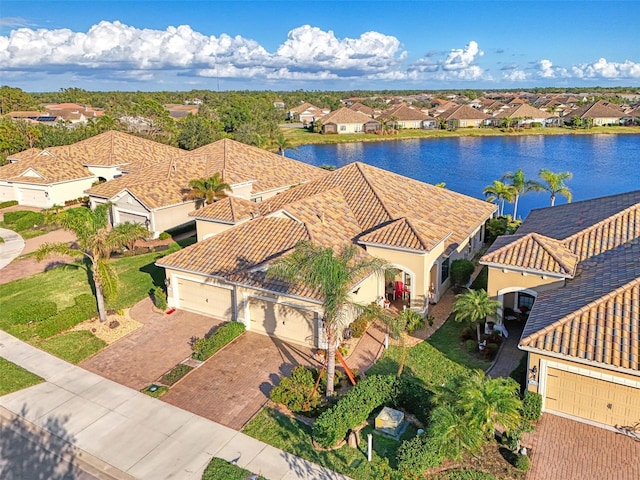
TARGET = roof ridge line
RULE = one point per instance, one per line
(375, 193)
(233, 210)
(605, 221)
(550, 328)
(541, 240)
(415, 232)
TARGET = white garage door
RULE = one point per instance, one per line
(7, 193)
(34, 198)
(283, 321)
(590, 398)
(205, 298)
(131, 218)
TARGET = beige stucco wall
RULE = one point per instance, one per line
(108, 173)
(500, 279)
(166, 218)
(172, 275)
(206, 229)
(61, 192)
(243, 190)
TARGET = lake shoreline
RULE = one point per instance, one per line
(300, 137)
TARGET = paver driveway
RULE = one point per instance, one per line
(234, 384)
(569, 450)
(143, 356)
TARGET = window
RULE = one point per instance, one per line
(525, 300)
(343, 128)
(444, 270)
(256, 199)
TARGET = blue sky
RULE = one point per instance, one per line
(313, 45)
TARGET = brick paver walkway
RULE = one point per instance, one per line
(147, 353)
(568, 450)
(234, 384)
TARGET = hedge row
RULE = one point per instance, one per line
(354, 408)
(36, 312)
(203, 348)
(84, 308)
(23, 219)
(8, 203)
(417, 455)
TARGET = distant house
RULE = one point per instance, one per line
(359, 107)
(598, 113)
(157, 196)
(631, 118)
(345, 120)
(523, 115)
(33, 116)
(279, 104)
(573, 271)
(73, 112)
(306, 113)
(178, 111)
(404, 116)
(463, 116)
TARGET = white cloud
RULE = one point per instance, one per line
(462, 58)
(515, 76)
(459, 64)
(609, 70)
(547, 70)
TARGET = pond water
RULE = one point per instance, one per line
(601, 164)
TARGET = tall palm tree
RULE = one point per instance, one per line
(283, 144)
(554, 184)
(95, 242)
(333, 275)
(521, 185)
(473, 307)
(501, 192)
(400, 325)
(208, 189)
(130, 232)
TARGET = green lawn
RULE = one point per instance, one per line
(72, 346)
(447, 340)
(219, 469)
(14, 377)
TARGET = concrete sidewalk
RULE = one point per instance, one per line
(11, 247)
(128, 432)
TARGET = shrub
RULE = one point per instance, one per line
(490, 350)
(35, 312)
(354, 408)
(467, 474)
(12, 217)
(471, 345)
(8, 203)
(522, 463)
(417, 455)
(203, 348)
(295, 391)
(536, 124)
(531, 406)
(159, 298)
(175, 374)
(467, 333)
(415, 321)
(461, 271)
(84, 308)
(359, 326)
(164, 236)
(26, 221)
(415, 398)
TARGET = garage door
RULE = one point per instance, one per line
(283, 321)
(131, 218)
(204, 298)
(592, 399)
(7, 193)
(34, 198)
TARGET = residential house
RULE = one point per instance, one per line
(345, 120)
(404, 116)
(43, 178)
(359, 107)
(73, 112)
(33, 116)
(463, 116)
(575, 270)
(597, 113)
(306, 113)
(631, 118)
(523, 115)
(157, 196)
(178, 111)
(417, 228)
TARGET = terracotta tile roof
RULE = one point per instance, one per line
(167, 184)
(595, 316)
(44, 168)
(345, 115)
(532, 252)
(303, 107)
(228, 210)
(408, 233)
(523, 111)
(24, 154)
(359, 107)
(599, 109)
(119, 149)
(463, 112)
(404, 112)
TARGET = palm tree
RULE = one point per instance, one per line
(130, 232)
(283, 144)
(400, 325)
(332, 275)
(521, 185)
(450, 433)
(95, 242)
(208, 189)
(473, 307)
(554, 184)
(500, 191)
